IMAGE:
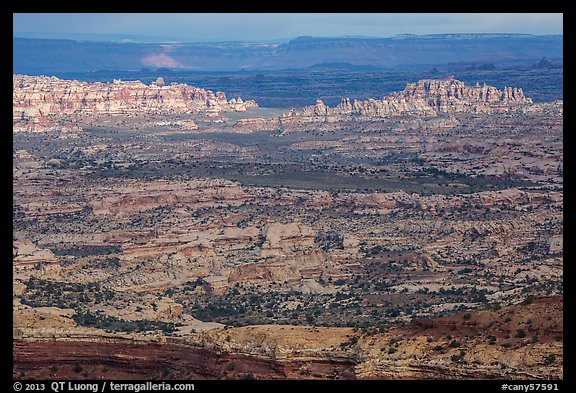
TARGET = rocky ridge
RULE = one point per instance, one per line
(43, 103)
(225, 254)
(478, 345)
(110, 234)
(420, 101)
(427, 97)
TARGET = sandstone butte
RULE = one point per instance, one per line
(43, 103)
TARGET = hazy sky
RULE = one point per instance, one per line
(271, 27)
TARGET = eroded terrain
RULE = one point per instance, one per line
(398, 231)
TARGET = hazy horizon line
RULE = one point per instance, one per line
(143, 39)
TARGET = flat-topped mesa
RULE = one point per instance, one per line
(429, 97)
(41, 102)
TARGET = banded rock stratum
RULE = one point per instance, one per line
(47, 103)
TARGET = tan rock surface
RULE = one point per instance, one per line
(48, 103)
(280, 238)
(427, 97)
(424, 349)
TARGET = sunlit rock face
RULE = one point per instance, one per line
(43, 103)
(429, 97)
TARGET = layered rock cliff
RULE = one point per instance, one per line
(44, 103)
(522, 341)
(427, 97)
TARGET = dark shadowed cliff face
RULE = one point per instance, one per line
(49, 56)
(119, 360)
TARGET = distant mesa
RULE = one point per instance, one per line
(545, 63)
(44, 56)
(481, 67)
(142, 72)
(163, 70)
(342, 66)
(471, 66)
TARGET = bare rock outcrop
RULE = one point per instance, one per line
(24, 252)
(511, 197)
(194, 194)
(47, 103)
(250, 124)
(281, 238)
(426, 97)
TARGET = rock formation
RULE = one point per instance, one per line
(427, 97)
(24, 252)
(366, 253)
(420, 350)
(45, 103)
(284, 237)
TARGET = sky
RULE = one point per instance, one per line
(276, 27)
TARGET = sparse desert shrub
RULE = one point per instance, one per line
(551, 359)
(454, 344)
(457, 358)
(529, 299)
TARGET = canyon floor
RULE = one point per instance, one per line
(262, 244)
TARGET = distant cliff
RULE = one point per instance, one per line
(41, 103)
(49, 56)
(428, 97)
